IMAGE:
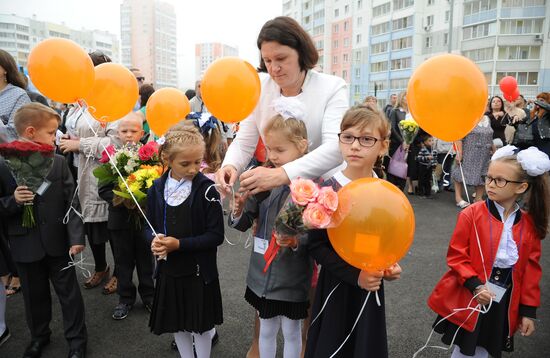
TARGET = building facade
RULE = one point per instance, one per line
(375, 46)
(206, 53)
(148, 40)
(18, 35)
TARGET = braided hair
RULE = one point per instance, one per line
(179, 136)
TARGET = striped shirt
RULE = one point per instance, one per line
(11, 99)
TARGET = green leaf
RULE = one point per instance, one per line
(104, 175)
(122, 194)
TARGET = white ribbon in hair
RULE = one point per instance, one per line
(532, 160)
(289, 107)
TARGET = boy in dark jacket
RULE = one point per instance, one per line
(427, 161)
(41, 253)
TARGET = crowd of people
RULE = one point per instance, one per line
(302, 127)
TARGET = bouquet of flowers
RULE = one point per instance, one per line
(308, 207)
(139, 166)
(409, 129)
(29, 163)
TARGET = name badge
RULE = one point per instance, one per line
(43, 187)
(499, 291)
(260, 245)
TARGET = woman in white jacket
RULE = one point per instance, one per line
(288, 55)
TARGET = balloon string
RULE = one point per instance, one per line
(220, 202)
(111, 159)
(80, 265)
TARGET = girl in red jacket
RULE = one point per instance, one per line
(494, 259)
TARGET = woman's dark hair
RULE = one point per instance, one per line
(490, 106)
(99, 57)
(286, 31)
(190, 93)
(145, 91)
(13, 76)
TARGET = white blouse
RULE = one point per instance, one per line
(344, 180)
(507, 253)
(176, 191)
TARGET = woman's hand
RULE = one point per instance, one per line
(370, 281)
(76, 249)
(393, 272)
(526, 326)
(262, 179)
(485, 296)
(286, 241)
(22, 195)
(226, 177)
(69, 145)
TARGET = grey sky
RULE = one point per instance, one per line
(234, 22)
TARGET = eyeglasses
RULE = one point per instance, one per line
(140, 79)
(499, 182)
(365, 141)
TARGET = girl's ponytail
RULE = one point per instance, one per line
(538, 203)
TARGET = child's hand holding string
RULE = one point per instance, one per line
(286, 241)
(484, 296)
(238, 204)
(393, 272)
(526, 326)
(370, 281)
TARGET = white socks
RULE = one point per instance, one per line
(2, 308)
(203, 343)
(480, 353)
(291, 332)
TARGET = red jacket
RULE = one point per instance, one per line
(454, 290)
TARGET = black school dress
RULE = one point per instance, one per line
(183, 302)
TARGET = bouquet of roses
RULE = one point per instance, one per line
(308, 207)
(139, 166)
(29, 163)
(409, 129)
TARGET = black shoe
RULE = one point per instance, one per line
(121, 311)
(215, 339)
(34, 349)
(174, 345)
(148, 306)
(5, 336)
(77, 353)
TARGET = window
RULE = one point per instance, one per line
(401, 4)
(346, 42)
(447, 16)
(357, 73)
(401, 63)
(429, 42)
(319, 14)
(346, 9)
(306, 5)
(359, 4)
(523, 78)
(319, 44)
(402, 43)
(477, 31)
(358, 39)
(22, 28)
(519, 52)
(358, 56)
(345, 75)
(446, 38)
(379, 66)
(334, 60)
(379, 48)
(526, 26)
(346, 57)
(431, 2)
(474, 7)
(381, 9)
(402, 23)
(335, 29)
(399, 83)
(359, 21)
(430, 20)
(318, 30)
(357, 89)
(306, 20)
(483, 54)
(335, 44)
(4, 25)
(524, 3)
(336, 12)
(380, 28)
(346, 26)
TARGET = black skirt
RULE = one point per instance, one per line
(368, 340)
(272, 308)
(185, 303)
(97, 233)
(491, 331)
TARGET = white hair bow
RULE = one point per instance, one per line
(532, 160)
(289, 107)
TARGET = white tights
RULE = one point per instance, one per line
(2, 308)
(292, 334)
(203, 343)
(480, 353)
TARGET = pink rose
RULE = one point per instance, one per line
(104, 157)
(316, 216)
(303, 191)
(328, 198)
(147, 151)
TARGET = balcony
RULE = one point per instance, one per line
(521, 12)
(480, 17)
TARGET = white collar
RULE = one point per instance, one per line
(501, 210)
(344, 180)
(172, 182)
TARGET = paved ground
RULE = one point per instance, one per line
(408, 318)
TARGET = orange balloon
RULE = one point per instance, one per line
(114, 93)
(377, 224)
(447, 96)
(166, 107)
(61, 70)
(230, 89)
